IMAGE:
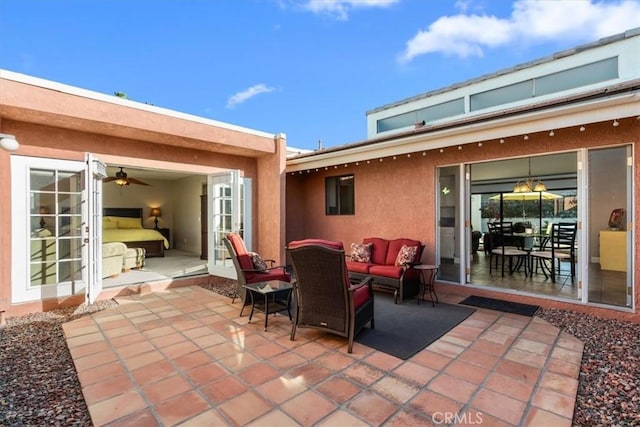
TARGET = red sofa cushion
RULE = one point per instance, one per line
(358, 267)
(395, 246)
(390, 271)
(379, 248)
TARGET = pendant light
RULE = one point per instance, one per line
(529, 185)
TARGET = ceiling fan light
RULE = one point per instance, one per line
(122, 182)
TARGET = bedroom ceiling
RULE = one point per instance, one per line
(148, 174)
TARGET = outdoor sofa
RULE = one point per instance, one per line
(389, 262)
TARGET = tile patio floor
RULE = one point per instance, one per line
(183, 356)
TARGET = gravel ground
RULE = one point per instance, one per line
(39, 385)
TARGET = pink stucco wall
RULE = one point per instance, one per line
(53, 124)
(395, 198)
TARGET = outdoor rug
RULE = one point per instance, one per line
(402, 330)
(501, 305)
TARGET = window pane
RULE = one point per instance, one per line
(42, 180)
(339, 195)
(502, 95)
(70, 181)
(580, 76)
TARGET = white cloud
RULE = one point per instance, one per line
(247, 94)
(466, 35)
(340, 8)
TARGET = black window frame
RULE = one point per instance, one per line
(340, 195)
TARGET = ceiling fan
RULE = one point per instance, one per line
(122, 179)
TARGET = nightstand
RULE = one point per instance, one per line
(167, 235)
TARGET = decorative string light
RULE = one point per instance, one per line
(501, 140)
(582, 128)
(551, 133)
(526, 137)
(615, 123)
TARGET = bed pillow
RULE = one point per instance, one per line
(107, 224)
(129, 223)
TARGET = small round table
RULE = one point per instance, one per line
(428, 284)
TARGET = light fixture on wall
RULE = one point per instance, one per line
(8, 142)
(155, 212)
(529, 184)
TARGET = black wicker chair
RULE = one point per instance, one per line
(325, 298)
(246, 271)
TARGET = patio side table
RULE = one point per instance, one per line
(270, 297)
(428, 283)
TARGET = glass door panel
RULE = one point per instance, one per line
(610, 267)
(449, 223)
(225, 216)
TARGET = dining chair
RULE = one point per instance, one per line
(505, 247)
(561, 246)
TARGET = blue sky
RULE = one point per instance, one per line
(308, 68)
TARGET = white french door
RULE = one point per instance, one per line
(97, 171)
(229, 201)
(49, 219)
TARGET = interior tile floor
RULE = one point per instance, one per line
(184, 356)
(605, 287)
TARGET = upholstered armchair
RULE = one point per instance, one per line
(324, 297)
(251, 268)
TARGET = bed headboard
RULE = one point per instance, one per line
(124, 212)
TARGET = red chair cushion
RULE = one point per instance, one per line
(246, 263)
(379, 248)
(332, 244)
(360, 296)
(275, 274)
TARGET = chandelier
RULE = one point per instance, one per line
(529, 184)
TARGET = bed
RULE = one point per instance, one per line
(125, 225)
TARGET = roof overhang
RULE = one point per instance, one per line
(555, 115)
(37, 101)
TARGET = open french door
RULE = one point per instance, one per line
(96, 171)
(228, 198)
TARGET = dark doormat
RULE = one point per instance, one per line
(501, 305)
(402, 330)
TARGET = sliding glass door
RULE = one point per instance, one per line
(609, 263)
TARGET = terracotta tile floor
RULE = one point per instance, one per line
(183, 356)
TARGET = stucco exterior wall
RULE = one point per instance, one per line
(52, 124)
(396, 198)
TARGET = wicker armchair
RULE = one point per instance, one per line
(247, 272)
(325, 298)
